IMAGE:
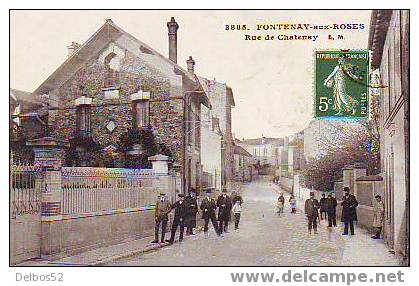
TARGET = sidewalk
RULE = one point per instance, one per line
(100, 256)
(360, 249)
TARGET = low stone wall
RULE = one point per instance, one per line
(76, 235)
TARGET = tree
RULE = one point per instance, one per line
(349, 148)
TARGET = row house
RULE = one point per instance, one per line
(117, 101)
(266, 151)
(244, 165)
(389, 43)
(221, 99)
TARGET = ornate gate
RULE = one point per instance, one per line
(26, 184)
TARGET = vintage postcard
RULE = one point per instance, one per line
(209, 138)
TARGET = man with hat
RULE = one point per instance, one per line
(192, 209)
(311, 209)
(208, 207)
(378, 221)
(161, 217)
(349, 205)
(179, 219)
(224, 210)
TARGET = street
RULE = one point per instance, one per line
(264, 239)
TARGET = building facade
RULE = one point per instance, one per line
(389, 42)
(221, 99)
(115, 97)
(244, 165)
(211, 155)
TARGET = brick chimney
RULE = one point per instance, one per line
(72, 48)
(172, 27)
(191, 65)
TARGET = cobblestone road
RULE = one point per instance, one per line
(264, 239)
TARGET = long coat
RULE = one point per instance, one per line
(311, 207)
(378, 220)
(331, 205)
(208, 207)
(192, 206)
(180, 211)
(349, 205)
(224, 207)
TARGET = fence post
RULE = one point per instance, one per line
(161, 181)
(49, 156)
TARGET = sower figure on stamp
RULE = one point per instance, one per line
(311, 209)
(208, 207)
(224, 210)
(349, 205)
(179, 219)
(192, 209)
(161, 217)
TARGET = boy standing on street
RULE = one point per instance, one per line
(237, 209)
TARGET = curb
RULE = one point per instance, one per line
(102, 262)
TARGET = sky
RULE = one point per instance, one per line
(272, 81)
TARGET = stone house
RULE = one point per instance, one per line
(389, 43)
(266, 152)
(117, 101)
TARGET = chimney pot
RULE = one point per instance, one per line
(72, 48)
(191, 65)
(172, 27)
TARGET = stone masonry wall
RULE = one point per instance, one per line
(166, 113)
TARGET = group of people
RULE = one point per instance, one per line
(281, 203)
(186, 209)
(327, 207)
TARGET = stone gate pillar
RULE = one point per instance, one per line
(348, 177)
(162, 182)
(49, 155)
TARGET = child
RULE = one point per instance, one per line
(280, 204)
(293, 204)
(236, 211)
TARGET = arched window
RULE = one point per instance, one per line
(111, 63)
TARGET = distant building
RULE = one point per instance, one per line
(28, 120)
(243, 165)
(211, 155)
(265, 150)
(389, 42)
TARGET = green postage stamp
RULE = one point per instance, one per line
(341, 84)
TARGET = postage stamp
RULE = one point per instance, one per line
(341, 84)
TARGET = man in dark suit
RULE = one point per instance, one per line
(311, 209)
(323, 207)
(208, 207)
(224, 210)
(179, 219)
(192, 209)
(331, 210)
(349, 206)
